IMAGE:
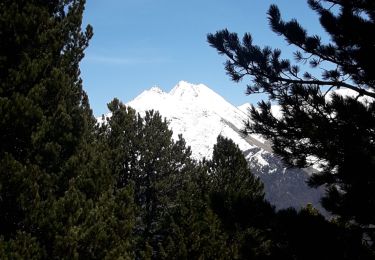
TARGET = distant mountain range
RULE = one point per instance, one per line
(200, 115)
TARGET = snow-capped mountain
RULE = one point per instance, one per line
(200, 115)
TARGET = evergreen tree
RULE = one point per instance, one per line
(145, 155)
(237, 197)
(43, 120)
(308, 235)
(193, 230)
(57, 198)
(336, 132)
(230, 172)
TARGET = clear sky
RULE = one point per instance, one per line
(138, 44)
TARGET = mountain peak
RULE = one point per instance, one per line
(196, 111)
(156, 89)
(185, 84)
(186, 89)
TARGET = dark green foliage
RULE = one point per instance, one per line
(336, 132)
(144, 154)
(237, 197)
(230, 172)
(57, 198)
(307, 235)
(43, 119)
(193, 230)
(21, 246)
(220, 213)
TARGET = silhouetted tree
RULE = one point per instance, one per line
(306, 234)
(315, 128)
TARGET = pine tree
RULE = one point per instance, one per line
(230, 171)
(57, 198)
(336, 132)
(193, 230)
(306, 234)
(237, 197)
(145, 156)
(43, 118)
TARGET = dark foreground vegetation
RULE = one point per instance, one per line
(73, 189)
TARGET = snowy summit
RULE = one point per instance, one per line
(198, 113)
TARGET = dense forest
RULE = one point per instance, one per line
(71, 188)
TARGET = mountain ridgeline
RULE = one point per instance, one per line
(200, 115)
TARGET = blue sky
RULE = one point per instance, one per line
(138, 44)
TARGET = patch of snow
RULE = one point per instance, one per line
(258, 157)
(245, 108)
(276, 111)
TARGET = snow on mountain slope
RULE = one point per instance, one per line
(245, 108)
(200, 115)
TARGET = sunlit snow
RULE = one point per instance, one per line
(198, 113)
